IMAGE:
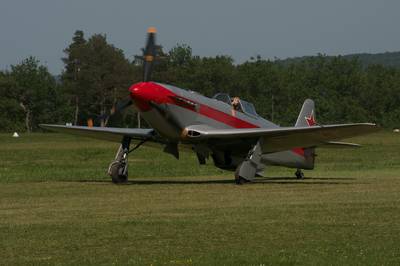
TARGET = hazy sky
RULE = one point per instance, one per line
(276, 28)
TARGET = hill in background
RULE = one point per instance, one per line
(389, 59)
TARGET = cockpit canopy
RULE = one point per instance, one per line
(245, 107)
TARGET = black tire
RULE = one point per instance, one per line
(299, 174)
(116, 174)
(238, 179)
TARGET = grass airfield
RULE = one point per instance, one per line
(58, 206)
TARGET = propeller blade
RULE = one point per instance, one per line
(117, 108)
(121, 105)
(149, 54)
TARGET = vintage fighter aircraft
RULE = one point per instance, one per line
(231, 132)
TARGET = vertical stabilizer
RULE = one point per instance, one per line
(307, 119)
(307, 115)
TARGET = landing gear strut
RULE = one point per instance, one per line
(118, 169)
(299, 174)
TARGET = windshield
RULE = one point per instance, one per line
(248, 108)
(223, 97)
(245, 107)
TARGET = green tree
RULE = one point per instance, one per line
(11, 114)
(99, 74)
(36, 92)
(74, 86)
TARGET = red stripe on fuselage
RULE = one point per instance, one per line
(224, 117)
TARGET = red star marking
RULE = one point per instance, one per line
(311, 119)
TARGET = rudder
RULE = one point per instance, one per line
(306, 118)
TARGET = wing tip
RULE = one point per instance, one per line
(51, 126)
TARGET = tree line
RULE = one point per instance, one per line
(97, 76)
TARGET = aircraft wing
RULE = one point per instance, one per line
(284, 138)
(104, 133)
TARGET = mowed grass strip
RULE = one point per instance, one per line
(57, 206)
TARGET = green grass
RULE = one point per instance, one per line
(58, 206)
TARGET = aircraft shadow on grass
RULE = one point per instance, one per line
(266, 181)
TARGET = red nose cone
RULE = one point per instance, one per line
(140, 96)
(143, 93)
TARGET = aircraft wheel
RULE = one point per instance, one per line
(117, 173)
(299, 174)
(238, 179)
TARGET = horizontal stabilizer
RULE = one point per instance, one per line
(339, 145)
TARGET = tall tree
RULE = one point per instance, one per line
(73, 85)
(11, 114)
(108, 75)
(98, 74)
(35, 90)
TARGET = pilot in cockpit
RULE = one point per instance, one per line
(235, 102)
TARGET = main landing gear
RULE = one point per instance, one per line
(239, 180)
(299, 174)
(247, 170)
(118, 169)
